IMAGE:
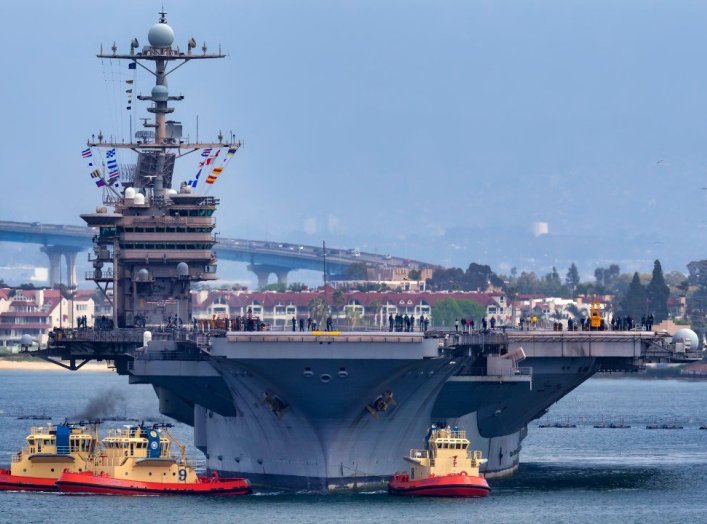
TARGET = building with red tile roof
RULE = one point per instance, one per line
(23, 316)
(371, 309)
(36, 311)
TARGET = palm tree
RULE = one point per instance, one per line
(374, 311)
(353, 314)
(319, 310)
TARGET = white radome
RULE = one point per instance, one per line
(182, 269)
(160, 93)
(688, 338)
(160, 35)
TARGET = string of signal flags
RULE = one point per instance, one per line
(211, 158)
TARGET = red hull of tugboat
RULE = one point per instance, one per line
(87, 482)
(9, 482)
(446, 486)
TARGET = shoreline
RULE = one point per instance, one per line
(9, 364)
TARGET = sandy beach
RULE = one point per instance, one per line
(41, 365)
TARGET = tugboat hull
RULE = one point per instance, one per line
(446, 486)
(87, 482)
(9, 482)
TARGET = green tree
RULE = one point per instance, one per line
(678, 283)
(476, 277)
(414, 274)
(697, 295)
(551, 285)
(634, 301)
(573, 310)
(319, 310)
(447, 310)
(657, 294)
(527, 283)
(353, 315)
(297, 287)
(572, 278)
(276, 286)
(369, 286)
(338, 299)
(450, 279)
(606, 277)
(480, 277)
(373, 309)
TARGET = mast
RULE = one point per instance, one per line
(157, 240)
(155, 59)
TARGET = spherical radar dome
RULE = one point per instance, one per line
(688, 338)
(182, 269)
(160, 35)
(160, 93)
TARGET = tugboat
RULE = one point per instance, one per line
(445, 468)
(50, 451)
(139, 460)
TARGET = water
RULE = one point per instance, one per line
(579, 475)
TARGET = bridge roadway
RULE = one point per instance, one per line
(263, 257)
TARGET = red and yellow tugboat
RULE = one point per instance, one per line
(50, 450)
(446, 468)
(140, 460)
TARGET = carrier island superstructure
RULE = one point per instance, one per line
(313, 410)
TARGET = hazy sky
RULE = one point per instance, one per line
(374, 122)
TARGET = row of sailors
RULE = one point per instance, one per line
(405, 323)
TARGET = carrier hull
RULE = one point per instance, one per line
(315, 405)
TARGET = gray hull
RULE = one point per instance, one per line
(301, 413)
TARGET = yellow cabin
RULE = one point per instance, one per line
(447, 453)
(49, 450)
(595, 317)
(143, 454)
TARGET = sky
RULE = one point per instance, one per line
(437, 130)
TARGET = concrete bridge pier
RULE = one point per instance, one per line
(54, 263)
(70, 257)
(263, 272)
(55, 253)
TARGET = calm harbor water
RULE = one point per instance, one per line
(580, 474)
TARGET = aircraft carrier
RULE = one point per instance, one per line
(313, 410)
